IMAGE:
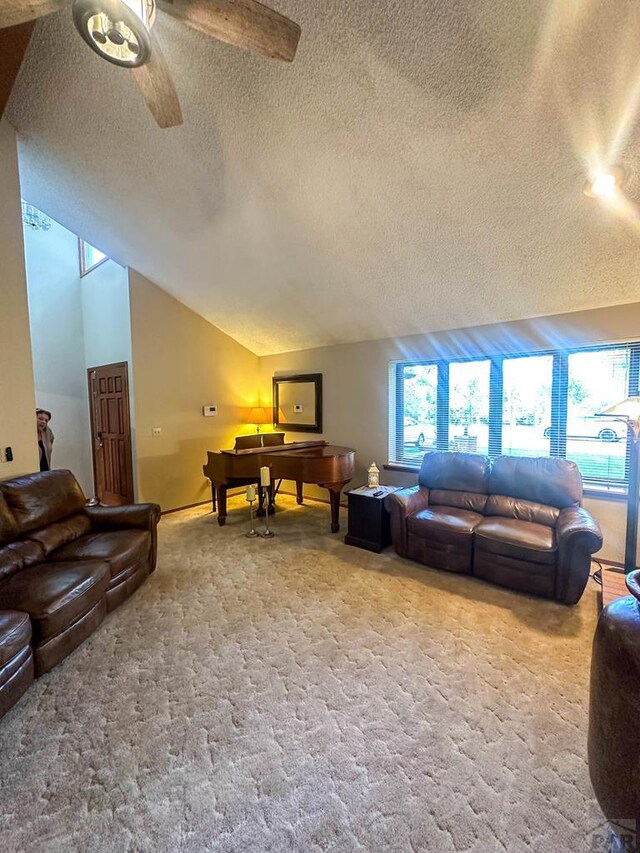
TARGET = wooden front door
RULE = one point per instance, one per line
(111, 433)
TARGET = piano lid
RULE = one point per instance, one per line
(278, 448)
(258, 439)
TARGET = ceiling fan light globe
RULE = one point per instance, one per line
(117, 30)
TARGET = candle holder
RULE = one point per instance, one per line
(266, 533)
(251, 496)
(251, 534)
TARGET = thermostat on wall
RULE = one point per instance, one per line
(210, 411)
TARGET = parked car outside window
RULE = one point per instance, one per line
(606, 429)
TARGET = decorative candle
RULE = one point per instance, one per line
(265, 476)
(251, 493)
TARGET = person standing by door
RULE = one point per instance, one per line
(45, 438)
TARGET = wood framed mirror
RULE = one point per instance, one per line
(297, 402)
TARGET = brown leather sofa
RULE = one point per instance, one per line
(614, 734)
(514, 521)
(16, 657)
(63, 566)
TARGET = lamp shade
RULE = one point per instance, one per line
(258, 415)
(628, 409)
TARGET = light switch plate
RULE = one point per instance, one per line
(297, 409)
(210, 411)
(157, 431)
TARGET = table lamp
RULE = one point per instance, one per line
(258, 416)
(629, 411)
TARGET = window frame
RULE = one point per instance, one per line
(84, 269)
(602, 487)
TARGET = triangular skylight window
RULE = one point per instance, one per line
(90, 257)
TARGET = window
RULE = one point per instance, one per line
(526, 405)
(537, 404)
(469, 405)
(90, 257)
(417, 431)
(596, 380)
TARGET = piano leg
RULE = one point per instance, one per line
(213, 497)
(222, 505)
(299, 496)
(334, 499)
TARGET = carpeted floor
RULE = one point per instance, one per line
(302, 695)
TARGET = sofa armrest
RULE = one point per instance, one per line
(144, 516)
(401, 505)
(578, 536)
(132, 515)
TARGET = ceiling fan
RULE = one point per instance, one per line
(121, 31)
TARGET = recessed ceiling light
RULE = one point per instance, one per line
(605, 184)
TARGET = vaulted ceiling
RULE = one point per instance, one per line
(418, 167)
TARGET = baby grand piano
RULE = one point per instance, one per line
(316, 462)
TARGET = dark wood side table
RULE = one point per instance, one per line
(369, 524)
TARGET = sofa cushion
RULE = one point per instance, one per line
(15, 634)
(442, 537)
(8, 524)
(458, 472)
(36, 500)
(60, 532)
(122, 550)
(522, 540)
(438, 522)
(509, 507)
(50, 652)
(15, 677)
(473, 501)
(544, 480)
(55, 594)
(18, 555)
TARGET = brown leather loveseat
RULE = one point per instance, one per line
(514, 521)
(63, 566)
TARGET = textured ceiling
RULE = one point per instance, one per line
(418, 167)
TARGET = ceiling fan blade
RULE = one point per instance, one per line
(157, 88)
(242, 23)
(13, 46)
(13, 12)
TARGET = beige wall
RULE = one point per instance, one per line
(17, 398)
(75, 323)
(356, 386)
(106, 317)
(57, 336)
(180, 364)
(106, 320)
